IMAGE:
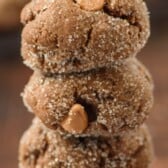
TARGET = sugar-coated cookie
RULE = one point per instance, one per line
(44, 148)
(108, 100)
(78, 35)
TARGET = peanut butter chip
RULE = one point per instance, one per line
(77, 120)
(91, 5)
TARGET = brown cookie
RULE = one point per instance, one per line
(78, 35)
(44, 148)
(10, 13)
(104, 101)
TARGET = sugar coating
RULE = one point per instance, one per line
(116, 98)
(60, 37)
(44, 148)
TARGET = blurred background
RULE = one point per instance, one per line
(14, 118)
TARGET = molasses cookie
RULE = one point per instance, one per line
(103, 101)
(44, 148)
(63, 36)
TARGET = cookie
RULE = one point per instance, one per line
(10, 13)
(79, 35)
(41, 147)
(99, 102)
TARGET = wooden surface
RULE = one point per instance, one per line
(14, 118)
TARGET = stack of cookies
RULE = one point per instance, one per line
(89, 93)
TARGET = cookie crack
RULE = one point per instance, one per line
(88, 39)
(89, 34)
(41, 152)
(118, 15)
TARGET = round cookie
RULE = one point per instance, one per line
(69, 36)
(10, 13)
(98, 102)
(41, 147)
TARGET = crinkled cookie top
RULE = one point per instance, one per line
(79, 35)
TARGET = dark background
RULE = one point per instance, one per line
(14, 118)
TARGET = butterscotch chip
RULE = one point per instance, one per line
(116, 98)
(44, 148)
(91, 5)
(77, 120)
(60, 37)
